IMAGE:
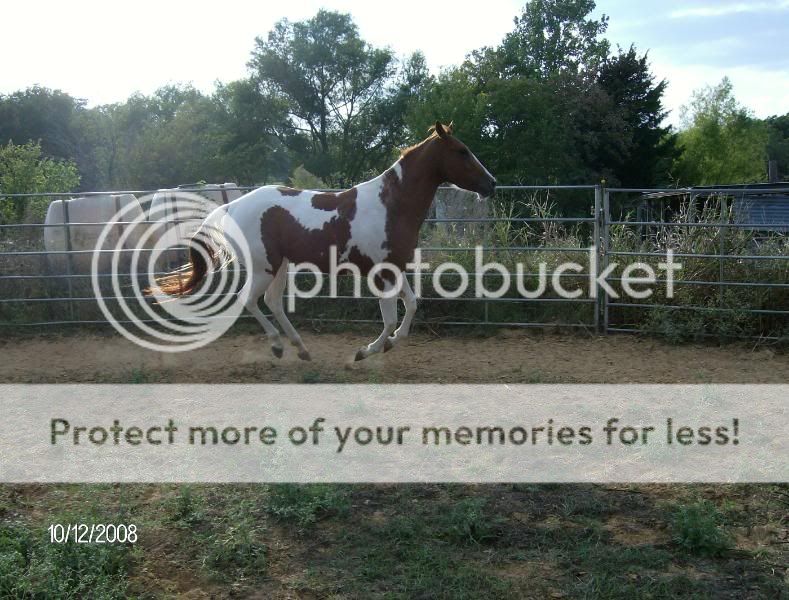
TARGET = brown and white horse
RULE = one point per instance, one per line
(373, 222)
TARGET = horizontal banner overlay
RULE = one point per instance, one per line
(394, 433)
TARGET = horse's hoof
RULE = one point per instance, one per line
(277, 351)
(304, 355)
(360, 355)
(388, 345)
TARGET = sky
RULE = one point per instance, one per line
(104, 51)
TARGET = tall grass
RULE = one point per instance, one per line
(718, 301)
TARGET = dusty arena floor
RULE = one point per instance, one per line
(510, 356)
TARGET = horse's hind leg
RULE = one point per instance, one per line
(273, 299)
(256, 285)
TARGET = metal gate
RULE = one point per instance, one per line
(738, 269)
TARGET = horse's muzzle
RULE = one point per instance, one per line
(489, 188)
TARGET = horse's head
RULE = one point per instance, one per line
(458, 165)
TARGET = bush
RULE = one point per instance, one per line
(467, 523)
(697, 529)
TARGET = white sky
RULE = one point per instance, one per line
(104, 51)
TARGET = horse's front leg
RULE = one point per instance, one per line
(389, 314)
(409, 300)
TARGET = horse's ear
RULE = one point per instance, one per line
(451, 127)
(439, 128)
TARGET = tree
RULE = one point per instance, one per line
(549, 106)
(59, 122)
(248, 149)
(647, 149)
(518, 104)
(179, 135)
(23, 170)
(38, 113)
(720, 140)
(339, 93)
(778, 142)
(554, 37)
(177, 141)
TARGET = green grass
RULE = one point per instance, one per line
(697, 529)
(410, 556)
(228, 539)
(303, 505)
(32, 567)
(393, 542)
(467, 522)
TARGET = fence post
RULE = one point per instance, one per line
(67, 233)
(598, 256)
(722, 248)
(606, 249)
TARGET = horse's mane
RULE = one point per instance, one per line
(432, 131)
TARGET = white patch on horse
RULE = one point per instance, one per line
(368, 228)
(398, 169)
(257, 202)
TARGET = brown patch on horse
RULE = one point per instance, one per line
(288, 191)
(364, 262)
(285, 238)
(343, 202)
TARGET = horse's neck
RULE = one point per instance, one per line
(407, 190)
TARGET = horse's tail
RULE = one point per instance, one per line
(185, 280)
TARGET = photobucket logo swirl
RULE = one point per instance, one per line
(175, 273)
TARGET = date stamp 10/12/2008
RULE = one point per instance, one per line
(92, 533)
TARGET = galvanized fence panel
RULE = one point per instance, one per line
(735, 277)
(524, 224)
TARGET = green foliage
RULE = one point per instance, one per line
(641, 151)
(250, 146)
(467, 523)
(230, 542)
(187, 509)
(549, 105)
(305, 504)
(705, 320)
(54, 119)
(235, 551)
(302, 179)
(555, 37)
(173, 137)
(721, 142)
(697, 529)
(778, 143)
(340, 98)
(24, 170)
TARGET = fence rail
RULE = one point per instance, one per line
(738, 271)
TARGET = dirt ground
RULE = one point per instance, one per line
(506, 356)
